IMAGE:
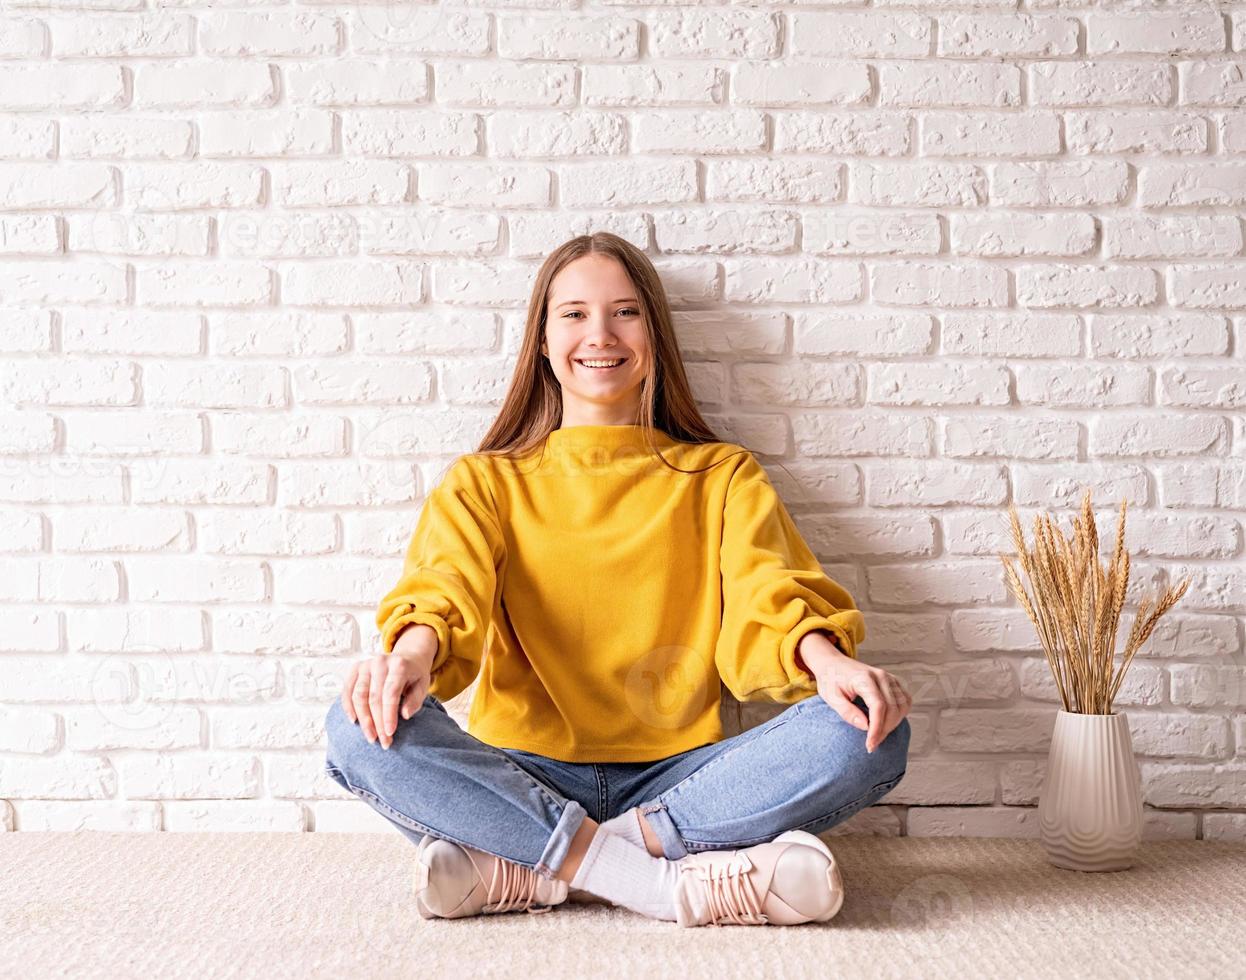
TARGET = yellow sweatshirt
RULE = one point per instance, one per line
(611, 593)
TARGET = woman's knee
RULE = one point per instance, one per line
(893, 751)
(344, 735)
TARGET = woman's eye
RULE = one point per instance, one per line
(626, 309)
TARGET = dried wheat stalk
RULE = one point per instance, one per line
(1076, 606)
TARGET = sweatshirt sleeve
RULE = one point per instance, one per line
(774, 592)
(450, 578)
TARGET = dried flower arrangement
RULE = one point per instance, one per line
(1076, 606)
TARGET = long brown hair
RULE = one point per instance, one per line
(532, 407)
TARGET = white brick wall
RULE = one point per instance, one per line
(263, 270)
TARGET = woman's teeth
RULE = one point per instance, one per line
(603, 365)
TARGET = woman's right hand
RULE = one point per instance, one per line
(377, 687)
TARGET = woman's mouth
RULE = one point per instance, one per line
(602, 365)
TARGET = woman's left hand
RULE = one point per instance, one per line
(842, 678)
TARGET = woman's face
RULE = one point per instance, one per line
(594, 314)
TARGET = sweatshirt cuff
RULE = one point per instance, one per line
(405, 615)
(787, 649)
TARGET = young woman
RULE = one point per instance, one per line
(616, 562)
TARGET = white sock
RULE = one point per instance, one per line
(627, 875)
(627, 826)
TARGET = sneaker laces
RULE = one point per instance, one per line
(514, 886)
(729, 891)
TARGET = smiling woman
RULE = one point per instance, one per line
(605, 563)
(597, 347)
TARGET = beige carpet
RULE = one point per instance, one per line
(338, 905)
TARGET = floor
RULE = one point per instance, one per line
(338, 905)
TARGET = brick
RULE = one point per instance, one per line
(1208, 685)
(334, 183)
(865, 232)
(1019, 234)
(859, 536)
(897, 484)
(191, 775)
(101, 35)
(1167, 435)
(275, 533)
(938, 583)
(878, 133)
(204, 83)
(996, 730)
(28, 731)
(362, 484)
(1137, 336)
(1183, 32)
(674, 83)
(625, 182)
(318, 581)
(1166, 784)
(1059, 183)
(163, 728)
(1179, 734)
(61, 86)
(27, 139)
(180, 580)
(271, 727)
(551, 37)
(1086, 285)
(58, 778)
(982, 821)
(282, 632)
(380, 29)
(353, 283)
(974, 86)
(1108, 131)
(873, 34)
(972, 435)
(277, 334)
(1083, 385)
(143, 434)
(173, 384)
(106, 815)
(356, 81)
(131, 333)
(241, 816)
(173, 186)
(1101, 83)
(689, 131)
(990, 35)
(496, 185)
(409, 132)
(1206, 287)
(234, 33)
(297, 132)
(280, 437)
(995, 134)
(70, 381)
(29, 630)
(927, 782)
(123, 631)
(128, 137)
(79, 282)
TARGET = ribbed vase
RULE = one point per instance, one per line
(1090, 807)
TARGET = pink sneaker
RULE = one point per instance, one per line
(789, 880)
(452, 882)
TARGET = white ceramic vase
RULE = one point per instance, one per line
(1090, 806)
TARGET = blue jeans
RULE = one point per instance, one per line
(805, 769)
